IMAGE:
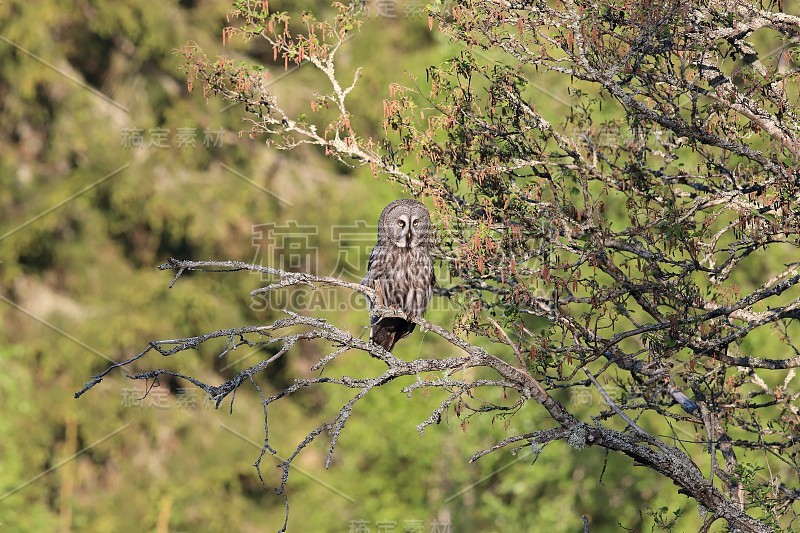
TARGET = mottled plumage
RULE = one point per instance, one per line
(400, 269)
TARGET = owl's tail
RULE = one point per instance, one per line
(388, 330)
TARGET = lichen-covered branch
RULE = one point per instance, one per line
(638, 444)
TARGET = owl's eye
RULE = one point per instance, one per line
(416, 223)
(401, 223)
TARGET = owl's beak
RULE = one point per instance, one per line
(408, 237)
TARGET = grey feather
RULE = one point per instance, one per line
(400, 269)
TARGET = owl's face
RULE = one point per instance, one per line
(405, 223)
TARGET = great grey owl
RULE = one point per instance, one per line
(400, 269)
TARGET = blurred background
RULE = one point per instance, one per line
(108, 166)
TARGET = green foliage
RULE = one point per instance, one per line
(84, 219)
(84, 272)
(663, 519)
